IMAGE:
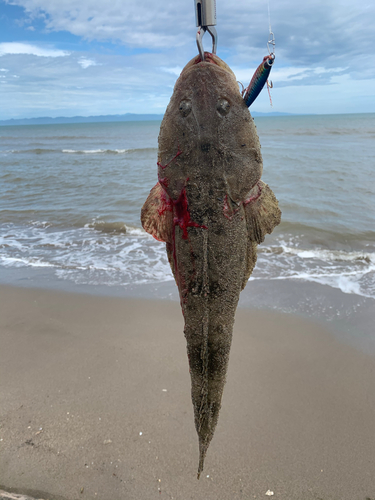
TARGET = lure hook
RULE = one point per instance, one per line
(205, 16)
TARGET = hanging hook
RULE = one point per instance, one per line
(205, 16)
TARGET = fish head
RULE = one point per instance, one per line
(208, 132)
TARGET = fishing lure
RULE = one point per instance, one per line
(259, 79)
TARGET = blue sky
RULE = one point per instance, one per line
(67, 58)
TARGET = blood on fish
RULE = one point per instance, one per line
(166, 205)
(182, 219)
(164, 181)
(179, 152)
(227, 210)
(254, 197)
(182, 215)
(208, 57)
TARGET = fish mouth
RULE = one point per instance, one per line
(208, 59)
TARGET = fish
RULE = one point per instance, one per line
(212, 209)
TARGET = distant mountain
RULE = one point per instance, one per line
(128, 117)
(271, 113)
(46, 120)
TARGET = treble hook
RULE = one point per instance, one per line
(205, 16)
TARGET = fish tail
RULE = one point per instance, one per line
(202, 455)
(204, 406)
(204, 410)
(201, 397)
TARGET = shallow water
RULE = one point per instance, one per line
(71, 194)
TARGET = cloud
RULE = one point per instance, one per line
(86, 63)
(136, 84)
(26, 48)
(318, 33)
(176, 70)
(138, 24)
(322, 54)
(59, 86)
(293, 75)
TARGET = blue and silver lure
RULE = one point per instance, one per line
(259, 79)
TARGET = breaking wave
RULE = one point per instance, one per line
(116, 253)
(41, 151)
(95, 151)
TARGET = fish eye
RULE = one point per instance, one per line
(185, 107)
(223, 107)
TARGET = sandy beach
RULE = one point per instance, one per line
(95, 404)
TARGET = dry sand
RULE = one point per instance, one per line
(95, 404)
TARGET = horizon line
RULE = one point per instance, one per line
(144, 117)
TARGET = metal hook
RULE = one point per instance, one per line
(205, 16)
(243, 87)
(201, 31)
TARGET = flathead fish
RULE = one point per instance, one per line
(212, 210)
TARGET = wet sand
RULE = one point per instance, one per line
(95, 403)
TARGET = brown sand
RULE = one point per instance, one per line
(95, 404)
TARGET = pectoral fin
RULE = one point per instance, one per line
(262, 216)
(157, 214)
(262, 212)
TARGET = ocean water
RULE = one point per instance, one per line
(71, 195)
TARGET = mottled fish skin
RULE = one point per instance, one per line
(211, 209)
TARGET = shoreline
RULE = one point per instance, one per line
(349, 316)
(96, 395)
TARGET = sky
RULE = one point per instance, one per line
(95, 57)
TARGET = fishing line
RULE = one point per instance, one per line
(271, 39)
(269, 17)
(260, 77)
(271, 42)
